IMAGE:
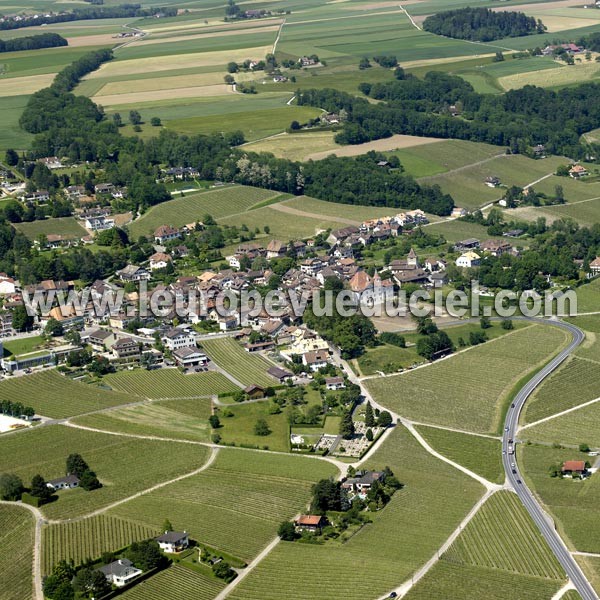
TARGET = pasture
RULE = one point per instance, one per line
(169, 383)
(16, 559)
(62, 396)
(458, 392)
(575, 505)
(327, 572)
(478, 454)
(174, 583)
(297, 146)
(65, 226)
(194, 207)
(124, 465)
(88, 538)
(11, 135)
(235, 505)
(245, 367)
(173, 419)
(574, 383)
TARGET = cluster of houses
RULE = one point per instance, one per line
(472, 249)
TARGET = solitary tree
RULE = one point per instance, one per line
(134, 117)
(12, 158)
(384, 419)
(11, 486)
(369, 416)
(261, 427)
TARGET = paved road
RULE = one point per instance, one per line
(515, 478)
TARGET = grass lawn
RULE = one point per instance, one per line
(89, 538)
(65, 226)
(479, 454)
(247, 368)
(457, 230)
(123, 465)
(176, 419)
(16, 536)
(575, 505)
(399, 540)
(61, 396)
(195, 206)
(575, 382)
(23, 345)
(239, 428)
(458, 392)
(588, 297)
(235, 505)
(169, 383)
(174, 583)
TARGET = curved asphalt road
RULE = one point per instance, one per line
(516, 480)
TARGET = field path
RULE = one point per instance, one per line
(281, 207)
(409, 17)
(278, 36)
(465, 167)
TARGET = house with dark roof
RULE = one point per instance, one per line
(316, 359)
(100, 339)
(166, 233)
(280, 374)
(363, 481)
(189, 357)
(334, 383)
(173, 541)
(254, 391)
(120, 572)
(126, 349)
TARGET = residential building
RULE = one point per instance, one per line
(468, 259)
(594, 267)
(492, 181)
(160, 260)
(363, 481)
(468, 244)
(133, 273)
(577, 171)
(314, 523)
(334, 383)
(571, 467)
(166, 233)
(120, 572)
(7, 285)
(276, 249)
(101, 339)
(254, 391)
(179, 338)
(99, 223)
(189, 357)
(63, 483)
(496, 247)
(126, 349)
(280, 374)
(316, 360)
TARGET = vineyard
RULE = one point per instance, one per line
(401, 537)
(244, 367)
(89, 538)
(174, 419)
(61, 396)
(175, 583)
(235, 505)
(590, 348)
(575, 382)
(480, 455)
(459, 392)
(169, 383)
(16, 540)
(503, 536)
(123, 465)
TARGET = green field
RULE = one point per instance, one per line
(195, 206)
(478, 454)
(65, 226)
(24, 345)
(62, 397)
(169, 383)
(16, 559)
(244, 367)
(575, 505)
(235, 505)
(174, 583)
(590, 348)
(123, 465)
(575, 382)
(11, 135)
(173, 419)
(89, 538)
(399, 540)
(588, 297)
(458, 392)
(457, 230)
(239, 428)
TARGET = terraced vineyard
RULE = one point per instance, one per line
(479, 454)
(174, 419)
(245, 367)
(62, 397)
(459, 392)
(402, 536)
(575, 382)
(170, 383)
(16, 558)
(235, 505)
(175, 583)
(194, 207)
(123, 465)
(89, 538)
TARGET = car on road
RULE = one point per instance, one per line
(506, 428)
(514, 471)
(519, 481)
(512, 405)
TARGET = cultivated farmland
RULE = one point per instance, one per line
(173, 419)
(307, 571)
(123, 465)
(458, 392)
(479, 454)
(235, 505)
(169, 383)
(174, 583)
(65, 226)
(16, 538)
(194, 207)
(62, 397)
(89, 538)
(244, 367)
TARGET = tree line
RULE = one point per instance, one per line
(33, 42)
(482, 24)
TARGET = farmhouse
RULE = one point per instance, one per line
(310, 523)
(63, 483)
(577, 171)
(468, 244)
(254, 391)
(52, 162)
(576, 467)
(173, 541)
(280, 374)
(334, 383)
(276, 249)
(120, 572)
